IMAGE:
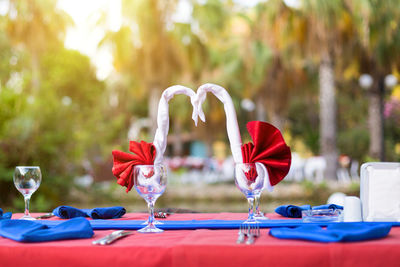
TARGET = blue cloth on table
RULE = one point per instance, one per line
(199, 224)
(339, 232)
(34, 231)
(67, 212)
(293, 211)
(6, 215)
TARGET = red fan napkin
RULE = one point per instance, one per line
(269, 148)
(124, 162)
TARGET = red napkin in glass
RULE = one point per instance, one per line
(269, 148)
(144, 154)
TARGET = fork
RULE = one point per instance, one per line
(252, 233)
(243, 230)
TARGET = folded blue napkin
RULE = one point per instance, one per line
(107, 213)
(293, 211)
(6, 215)
(34, 231)
(339, 232)
(67, 212)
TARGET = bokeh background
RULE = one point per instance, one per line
(81, 78)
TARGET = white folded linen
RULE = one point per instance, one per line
(160, 138)
(232, 127)
(380, 191)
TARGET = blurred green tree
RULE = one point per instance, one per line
(52, 103)
(56, 129)
(36, 26)
(152, 52)
(144, 49)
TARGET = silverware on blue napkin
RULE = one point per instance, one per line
(108, 239)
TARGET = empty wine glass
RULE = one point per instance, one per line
(150, 182)
(249, 178)
(27, 180)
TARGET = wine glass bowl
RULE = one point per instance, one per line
(249, 179)
(27, 180)
(150, 181)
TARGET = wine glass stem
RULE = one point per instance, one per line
(27, 198)
(251, 207)
(150, 205)
(257, 199)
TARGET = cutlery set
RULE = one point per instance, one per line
(251, 231)
(108, 239)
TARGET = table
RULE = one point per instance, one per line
(200, 248)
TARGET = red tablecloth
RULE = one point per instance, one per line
(200, 248)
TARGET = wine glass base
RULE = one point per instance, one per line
(27, 217)
(150, 228)
(154, 222)
(260, 217)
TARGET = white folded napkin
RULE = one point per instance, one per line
(380, 191)
(160, 138)
(232, 126)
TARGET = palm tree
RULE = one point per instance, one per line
(328, 29)
(277, 29)
(379, 39)
(313, 32)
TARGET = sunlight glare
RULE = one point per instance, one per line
(85, 34)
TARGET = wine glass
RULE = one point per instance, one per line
(27, 180)
(259, 215)
(249, 178)
(150, 182)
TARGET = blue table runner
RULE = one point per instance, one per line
(200, 224)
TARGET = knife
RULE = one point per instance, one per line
(45, 216)
(108, 239)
